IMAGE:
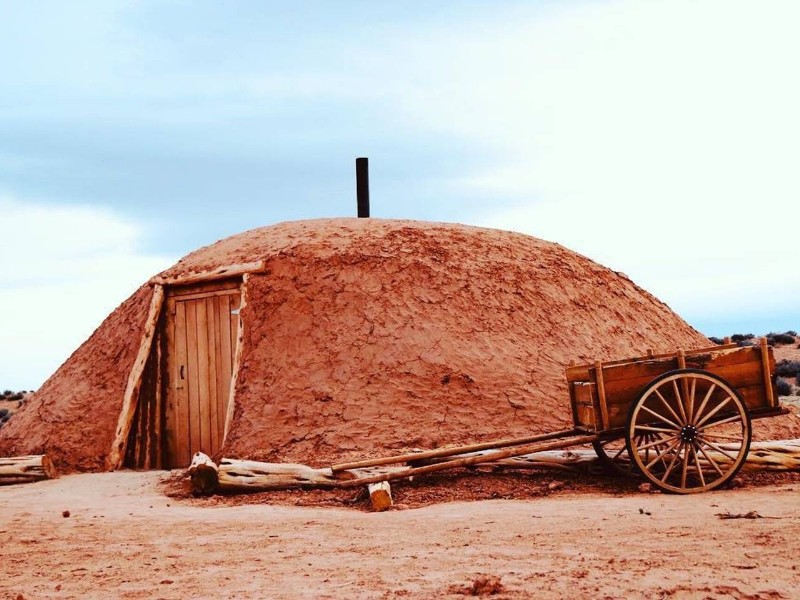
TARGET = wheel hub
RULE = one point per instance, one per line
(688, 433)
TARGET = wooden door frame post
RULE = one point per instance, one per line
(131, 396)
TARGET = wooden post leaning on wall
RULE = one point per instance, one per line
(130, 397)
(237, 360)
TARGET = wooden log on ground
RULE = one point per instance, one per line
(251, 475)
(204, 474)
(26, 469)
(380, 495)
(776, 455)
(243, 475)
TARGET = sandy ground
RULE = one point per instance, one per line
(124, 537)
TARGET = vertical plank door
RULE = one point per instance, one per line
(202, 324)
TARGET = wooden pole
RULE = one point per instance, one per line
(418, 456)
(26, 469)
(211, 275)
(131, 395)
(237, 361)
(471, 460)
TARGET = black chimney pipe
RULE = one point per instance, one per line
(362, 187)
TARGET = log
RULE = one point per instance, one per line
(212, 275)
(26, 469)
(457, 450)
(251, 475)
(380, 494)
(204, 474)
(131, 395)
(237, 361)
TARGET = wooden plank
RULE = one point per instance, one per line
(214, 349)
(187, 292)
(192, 383)
(210, 275)
(171, 399)
(158, 406)
(237, 329)
(602, 397)
(182, 387)
(203, 379)
(225, 361)
(131, 394)
(626, 391)
(585, 402)
(230, 289)
(581, 372)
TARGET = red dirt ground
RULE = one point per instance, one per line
(124, 538)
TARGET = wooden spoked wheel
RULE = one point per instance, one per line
(613, 455)
(688, 432)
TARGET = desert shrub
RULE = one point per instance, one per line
(3, 412)
(740, 337)
(743, 343)
(792, 333)
(16, 396)
(7, 393)
(787, 368)
(779, 338)
(716, 340)
(783, 387)
(5, 418)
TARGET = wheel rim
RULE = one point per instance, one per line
(698, 428)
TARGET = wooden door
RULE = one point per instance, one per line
(202, 327)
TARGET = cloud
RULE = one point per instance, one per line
(659, 138)
(64, 270)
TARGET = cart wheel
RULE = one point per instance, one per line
(613, 455)
(699, 431)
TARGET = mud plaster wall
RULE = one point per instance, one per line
(72, 417)
(418, 338)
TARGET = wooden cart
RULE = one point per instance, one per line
(682, 420)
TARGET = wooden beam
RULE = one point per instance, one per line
(131, 395)
(601, 393)
(26, 469)
(237, 361)
(440, 452)
(771, 399)
(211, 275)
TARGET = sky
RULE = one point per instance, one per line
(661, 139)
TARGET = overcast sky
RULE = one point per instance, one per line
(661, 139)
